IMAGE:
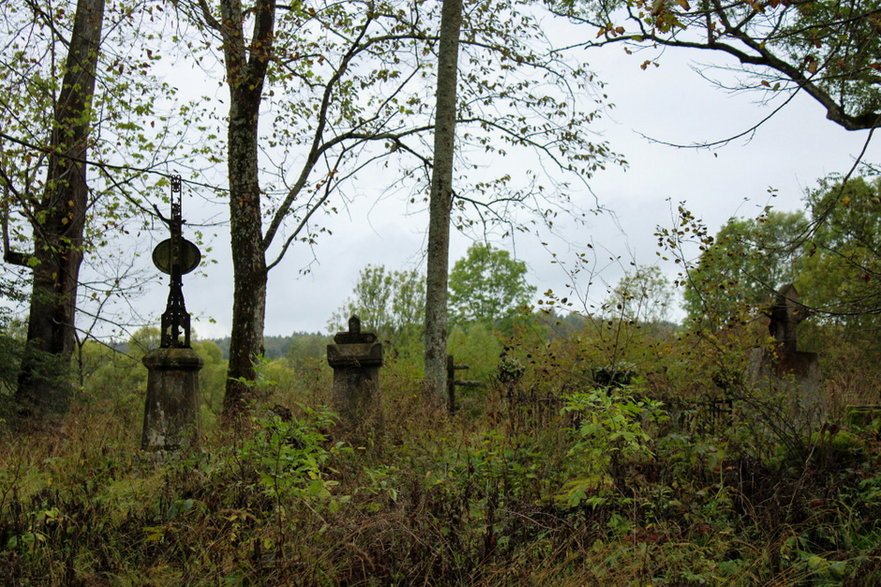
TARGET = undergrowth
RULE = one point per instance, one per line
(613, 492)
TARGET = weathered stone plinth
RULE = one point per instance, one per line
(796, 376)
(171, 414)
(356, 358)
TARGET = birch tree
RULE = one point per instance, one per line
(440, 203)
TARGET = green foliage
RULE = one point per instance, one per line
(212, 381)
(644, 295)
(611, 433)
(488, 285)
(479, 347)
(841, 261)
(307, 349)
(118, 377)
(742, 267)
(615, 493)
(389, 303)
(10, 351)
(275, 347)
(289, 457)
(832, 258)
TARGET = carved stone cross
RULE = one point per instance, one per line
(354, 335)
(786, 313)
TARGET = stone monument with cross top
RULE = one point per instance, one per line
(782, 367)
(356, 357)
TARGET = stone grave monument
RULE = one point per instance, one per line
(784, 368)
(356, 358)
(171, 412)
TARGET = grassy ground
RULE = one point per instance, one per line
(612, 492)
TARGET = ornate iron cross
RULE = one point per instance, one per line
(176, 256)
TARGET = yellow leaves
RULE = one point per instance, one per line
(659, 7)
(154, 533)
(757, 6)
(811, 64)
(684, 4)
(611, 30)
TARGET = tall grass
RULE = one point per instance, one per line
(602, 494)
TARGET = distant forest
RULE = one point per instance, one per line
(275, 346)
(312, 343)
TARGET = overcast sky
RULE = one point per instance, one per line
(672, 103)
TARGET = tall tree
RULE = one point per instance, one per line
(488, 285)
(440, 203)
(840, 265)
(246, 62)
(58, 220)
(309, 53)
(77, 93)
(642, 295)
(832, 255)
(742, 267)
(389, 302)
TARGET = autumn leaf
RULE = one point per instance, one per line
(812, 65)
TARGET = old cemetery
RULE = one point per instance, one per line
(456, 343)
(574, 449)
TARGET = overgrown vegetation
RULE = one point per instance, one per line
(549, 473)
(609, 447)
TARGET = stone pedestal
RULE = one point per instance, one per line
(796, 376)
(356, 358)
(171, 414)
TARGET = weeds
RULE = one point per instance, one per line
(612, 490)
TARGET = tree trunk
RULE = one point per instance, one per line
(246, 66)
(249, 261)
(59, 224)
(440, 203)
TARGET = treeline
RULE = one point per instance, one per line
(298, 344)
(276, 346)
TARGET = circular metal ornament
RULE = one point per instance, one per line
(187, 256)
